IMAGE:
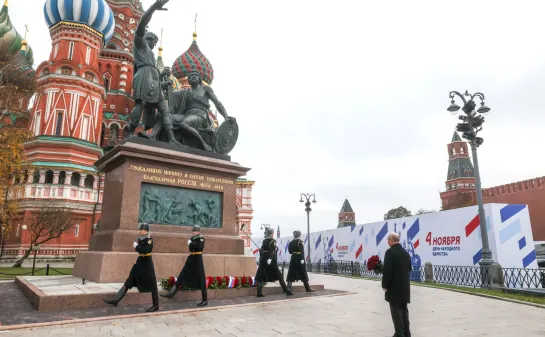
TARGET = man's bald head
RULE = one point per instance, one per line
(393, 238)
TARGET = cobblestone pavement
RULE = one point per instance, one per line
(434, 312)
(20, 311)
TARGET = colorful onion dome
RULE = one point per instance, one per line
(95, 14)
(12, 39)
(193, 60)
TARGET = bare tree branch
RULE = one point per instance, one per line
(47, 224)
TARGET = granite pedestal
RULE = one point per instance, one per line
(136, 162)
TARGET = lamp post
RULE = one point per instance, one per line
(307, 197)
(471, 125)
(265, 226)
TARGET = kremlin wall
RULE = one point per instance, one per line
(81, 112)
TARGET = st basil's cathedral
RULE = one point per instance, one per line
(82, 111)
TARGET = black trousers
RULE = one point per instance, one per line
(400, 317)
(130, 283)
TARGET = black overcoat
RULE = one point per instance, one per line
(297, 270)
(142, 274)
(192, 275)
(268, 272)
(396, 275)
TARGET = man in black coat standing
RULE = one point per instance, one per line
(396, 284)
(142, 274)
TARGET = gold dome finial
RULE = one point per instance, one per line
(195, 31)
(5, 3)
(24, 42)
(161, 44)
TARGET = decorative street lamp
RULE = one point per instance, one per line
(307, 197)
(265, 226)
(471, 125)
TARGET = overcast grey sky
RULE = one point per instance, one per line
(349, 98)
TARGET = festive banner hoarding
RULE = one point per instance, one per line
(450, 238)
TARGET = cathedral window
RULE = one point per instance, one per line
(88, 56)
(462, 149)
(49, 177)
(58, 129)
(36, 177)
(76, 231)
(37, 122)
(107, 83)
(89, 181)
(74, 181)
(71, 50)
(62, 178)
(85, 128)
(56, 50)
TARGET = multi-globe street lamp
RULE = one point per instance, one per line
(471, 125)
(307, 197)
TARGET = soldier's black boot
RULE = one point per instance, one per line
(171, 292)
(289, 286)
(285, 288)
(118, 297)
(155, 301)
(307, 287)
(204, 299)
(260, 289)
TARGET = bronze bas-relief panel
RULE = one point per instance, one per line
(219, 189)
(179, 206)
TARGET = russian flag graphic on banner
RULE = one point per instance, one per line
(413, 232)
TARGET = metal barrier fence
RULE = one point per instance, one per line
(469, 276)
(48, 271)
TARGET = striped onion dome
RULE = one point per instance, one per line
(193, 60)
(95, 14)
(12, 39)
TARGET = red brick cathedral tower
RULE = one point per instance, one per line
(460, 184)
(116, 66)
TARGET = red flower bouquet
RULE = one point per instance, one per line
(374, 263)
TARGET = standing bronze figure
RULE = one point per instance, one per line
(146, 84)
(142, 274)
(297, 270)
(192, 275)
(268, 266)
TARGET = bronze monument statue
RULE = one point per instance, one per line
(147, 83)
(185, 118)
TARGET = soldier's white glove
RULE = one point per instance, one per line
(269, 261)
(302, 261)
(134, 244)
(188, 242)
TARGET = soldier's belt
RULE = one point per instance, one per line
(195, 253)
(296, 253)
(144, 254)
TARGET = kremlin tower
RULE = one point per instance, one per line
(460, 183)
(347, 216)
(81, 111)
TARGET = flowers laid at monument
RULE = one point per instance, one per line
(218, 282)
(374, 263)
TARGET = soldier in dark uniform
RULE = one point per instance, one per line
(192, 275)
(297, 270)
(268, 267)
(142, 274)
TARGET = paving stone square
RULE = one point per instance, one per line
(433, 312)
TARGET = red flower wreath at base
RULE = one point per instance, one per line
(218, 282)
(375, 264)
